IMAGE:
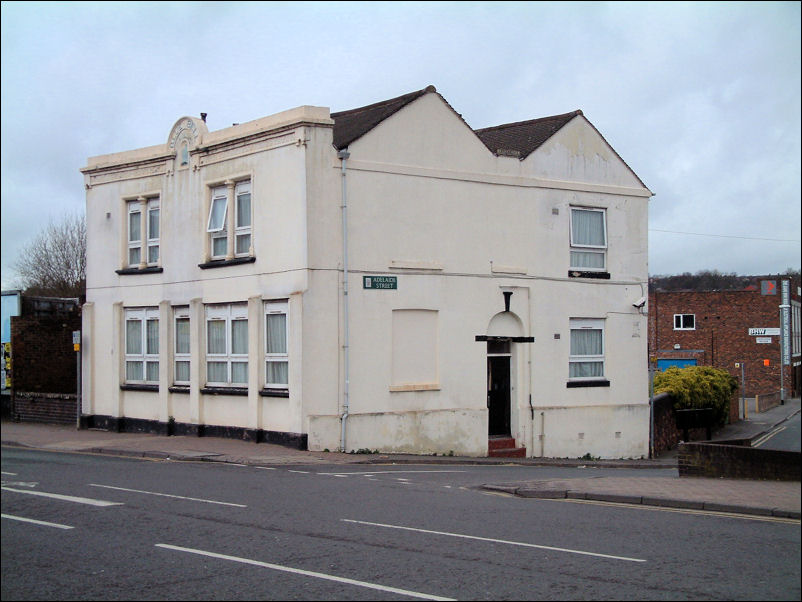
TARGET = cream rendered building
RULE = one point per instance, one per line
(384, 278)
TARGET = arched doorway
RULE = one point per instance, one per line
(504, 328)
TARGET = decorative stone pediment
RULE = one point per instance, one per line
(185, 135)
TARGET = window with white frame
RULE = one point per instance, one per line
(587, 349)
(684, 321)
(242, 230)
(218, 222)
(142, 345)
(181, 351)
(143, 232)
(588, 239)
(227, 345)
(276, 355)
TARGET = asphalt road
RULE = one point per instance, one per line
(785, 437)
(207, 531)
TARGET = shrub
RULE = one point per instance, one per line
(698, 387)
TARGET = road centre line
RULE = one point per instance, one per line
(179, 497)
(767, 436)
(286, 569)
(492, 540)
(35, 522)
(65, 498)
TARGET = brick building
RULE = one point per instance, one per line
(712, 328)
(43, 375)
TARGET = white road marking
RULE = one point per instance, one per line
(12, 474)
(264, 468)
(36, 522)
(299, 471)
(286, 569)
(492, 540)
(178, 497)
(66, 498)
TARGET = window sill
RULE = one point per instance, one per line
(588, 274)
(135, 271)
(222, 263)
(576, 384)
(178, 389)
(139, 387)
(415, 387)
(225, 391)
(274, 392)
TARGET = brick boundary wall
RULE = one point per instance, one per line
(714, 460)
(767, 401)
(666, 434)
(56, 408)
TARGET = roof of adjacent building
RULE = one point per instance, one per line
(518, 139)
(522, 138)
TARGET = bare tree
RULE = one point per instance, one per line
(54, 263)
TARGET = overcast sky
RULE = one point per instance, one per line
(702, 100)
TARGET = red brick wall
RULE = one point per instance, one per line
(721, 337)
(43, 359)
(46, 407)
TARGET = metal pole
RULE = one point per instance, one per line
(782, 357)
(78, 393)
(743, 397)
(651, 408)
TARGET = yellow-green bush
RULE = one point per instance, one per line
(698, 387)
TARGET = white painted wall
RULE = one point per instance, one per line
(427, 203)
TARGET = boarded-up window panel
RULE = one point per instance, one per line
(414, 347)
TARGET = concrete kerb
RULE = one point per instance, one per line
(547, 492)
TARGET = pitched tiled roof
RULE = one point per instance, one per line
(522, 138)
(353, 124)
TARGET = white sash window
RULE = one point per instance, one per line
(276, 354)
(227, 345)
(142, 345)
(588, 239)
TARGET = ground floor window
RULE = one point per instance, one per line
(181, 351)
(142, 345)
(276, 355)
(587, 349)
(227, 345)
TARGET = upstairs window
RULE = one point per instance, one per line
(143, 232)
(142, 345)
(229, 240)
(217, 223)
(588, 239)
(684, 321)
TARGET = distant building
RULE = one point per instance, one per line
(729, 330)
(383, 278)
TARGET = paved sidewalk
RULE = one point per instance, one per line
(766, 498)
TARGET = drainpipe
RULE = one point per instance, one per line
(343, 156)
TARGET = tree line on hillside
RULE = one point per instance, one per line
(713, 280)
